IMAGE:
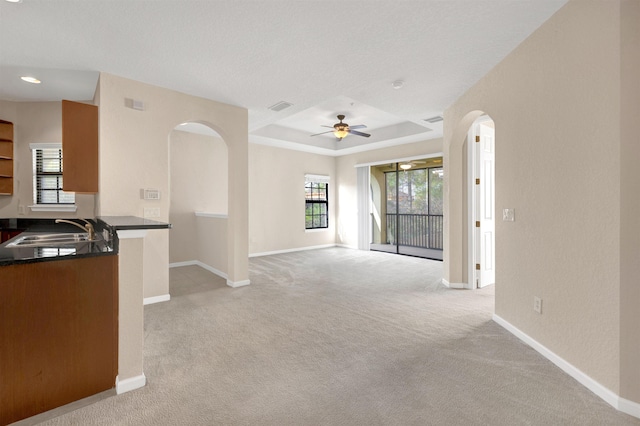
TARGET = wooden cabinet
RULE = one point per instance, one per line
(7, 234)
(58, 333)
(6, 158)
(79, 147)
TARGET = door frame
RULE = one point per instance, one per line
(472, 200)
(363, 194)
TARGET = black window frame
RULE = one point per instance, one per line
(311, 201)
(38, 173)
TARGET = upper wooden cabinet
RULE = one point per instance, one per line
(6, 158)
(79, 147)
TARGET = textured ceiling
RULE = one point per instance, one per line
(324, 57)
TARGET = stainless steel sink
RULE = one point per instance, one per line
(48, 240)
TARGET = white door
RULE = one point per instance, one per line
(485, 205)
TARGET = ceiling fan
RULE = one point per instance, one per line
(341, 129)
(406, 165)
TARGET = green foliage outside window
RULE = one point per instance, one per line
(316, 205)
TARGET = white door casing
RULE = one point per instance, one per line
(484, 209)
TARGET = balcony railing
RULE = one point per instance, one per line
(415, 230)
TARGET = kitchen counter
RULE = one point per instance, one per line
(53, 251)
(121, 223)
(106, 244)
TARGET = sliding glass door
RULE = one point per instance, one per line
(412, 219)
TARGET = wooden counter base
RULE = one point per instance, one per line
(58, 333)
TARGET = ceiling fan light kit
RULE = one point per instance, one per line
(341, 130)
(340, 133)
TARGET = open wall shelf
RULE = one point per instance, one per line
(6, 158)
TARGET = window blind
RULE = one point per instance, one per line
(47, 175)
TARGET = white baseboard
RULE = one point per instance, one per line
(453, 285)
(629, 407)
(236, 284)
(211, 269)
(269, 253)
(156, 299)
(130, 384)
(349, 247)
(621, 404)
(219, 273)
(185, 263)
(200, 264)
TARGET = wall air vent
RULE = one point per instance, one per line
(280, 106)
(435, 119)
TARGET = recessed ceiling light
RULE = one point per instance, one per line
(31, 80)
(14, 1)
(397, 84)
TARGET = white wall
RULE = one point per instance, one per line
(556, 104)
(34, 122)
(276, 199)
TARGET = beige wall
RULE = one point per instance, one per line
(134, 154)
(276, 194)
(347, 230)
(276, 199)
(130, 312)
(198, 184)
(630, 202)
(34, 122)
(212, 250)
(564, 180)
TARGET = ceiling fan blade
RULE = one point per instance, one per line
(358, 126)
(354, 132)
(330, 131)
(331, 127)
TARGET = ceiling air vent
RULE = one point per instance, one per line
(435, 119)
(280, 106)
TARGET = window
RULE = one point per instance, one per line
(316, 202)
(47, 179)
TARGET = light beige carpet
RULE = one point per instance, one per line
(339, 337)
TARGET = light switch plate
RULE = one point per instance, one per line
(150, 194)
(509, 215)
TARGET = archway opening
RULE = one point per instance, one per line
(198, 191)
(481, 211)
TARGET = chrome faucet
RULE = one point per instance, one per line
(88, 228)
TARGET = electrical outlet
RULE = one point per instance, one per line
(537, 304)
(509, 215)
(151, 212)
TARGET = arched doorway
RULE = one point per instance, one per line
(461, 207)
(481, 203)
(198, 187)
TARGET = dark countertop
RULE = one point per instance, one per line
(19, 255)
(120, 223)
(106, 243)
